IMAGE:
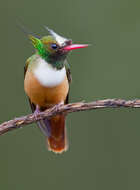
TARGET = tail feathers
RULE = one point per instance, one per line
(57, 141)
(55, 131)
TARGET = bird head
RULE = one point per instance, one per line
(54, 48)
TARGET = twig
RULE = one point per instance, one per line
(65, 109)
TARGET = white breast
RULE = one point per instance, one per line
(47, 75)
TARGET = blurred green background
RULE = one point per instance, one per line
(104, 149)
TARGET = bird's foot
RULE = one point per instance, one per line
(42, 124)
(58, 105)
(37, 110)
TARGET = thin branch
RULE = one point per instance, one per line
(65, 109)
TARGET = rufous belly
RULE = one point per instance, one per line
(45, 96)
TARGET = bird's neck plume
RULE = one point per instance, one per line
(38, 45)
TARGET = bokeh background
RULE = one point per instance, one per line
(104, 151)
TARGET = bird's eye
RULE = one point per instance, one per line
(54, 46)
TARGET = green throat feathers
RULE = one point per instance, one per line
(48, 49)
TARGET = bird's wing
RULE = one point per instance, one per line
(33, 107)
(26, 67)
(69, 77)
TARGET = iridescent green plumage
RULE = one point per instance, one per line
(38, 45)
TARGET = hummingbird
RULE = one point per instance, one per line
(47, 78)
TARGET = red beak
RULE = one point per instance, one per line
(75, 46)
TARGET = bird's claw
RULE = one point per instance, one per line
(37, 110)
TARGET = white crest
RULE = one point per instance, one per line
(61, 40)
